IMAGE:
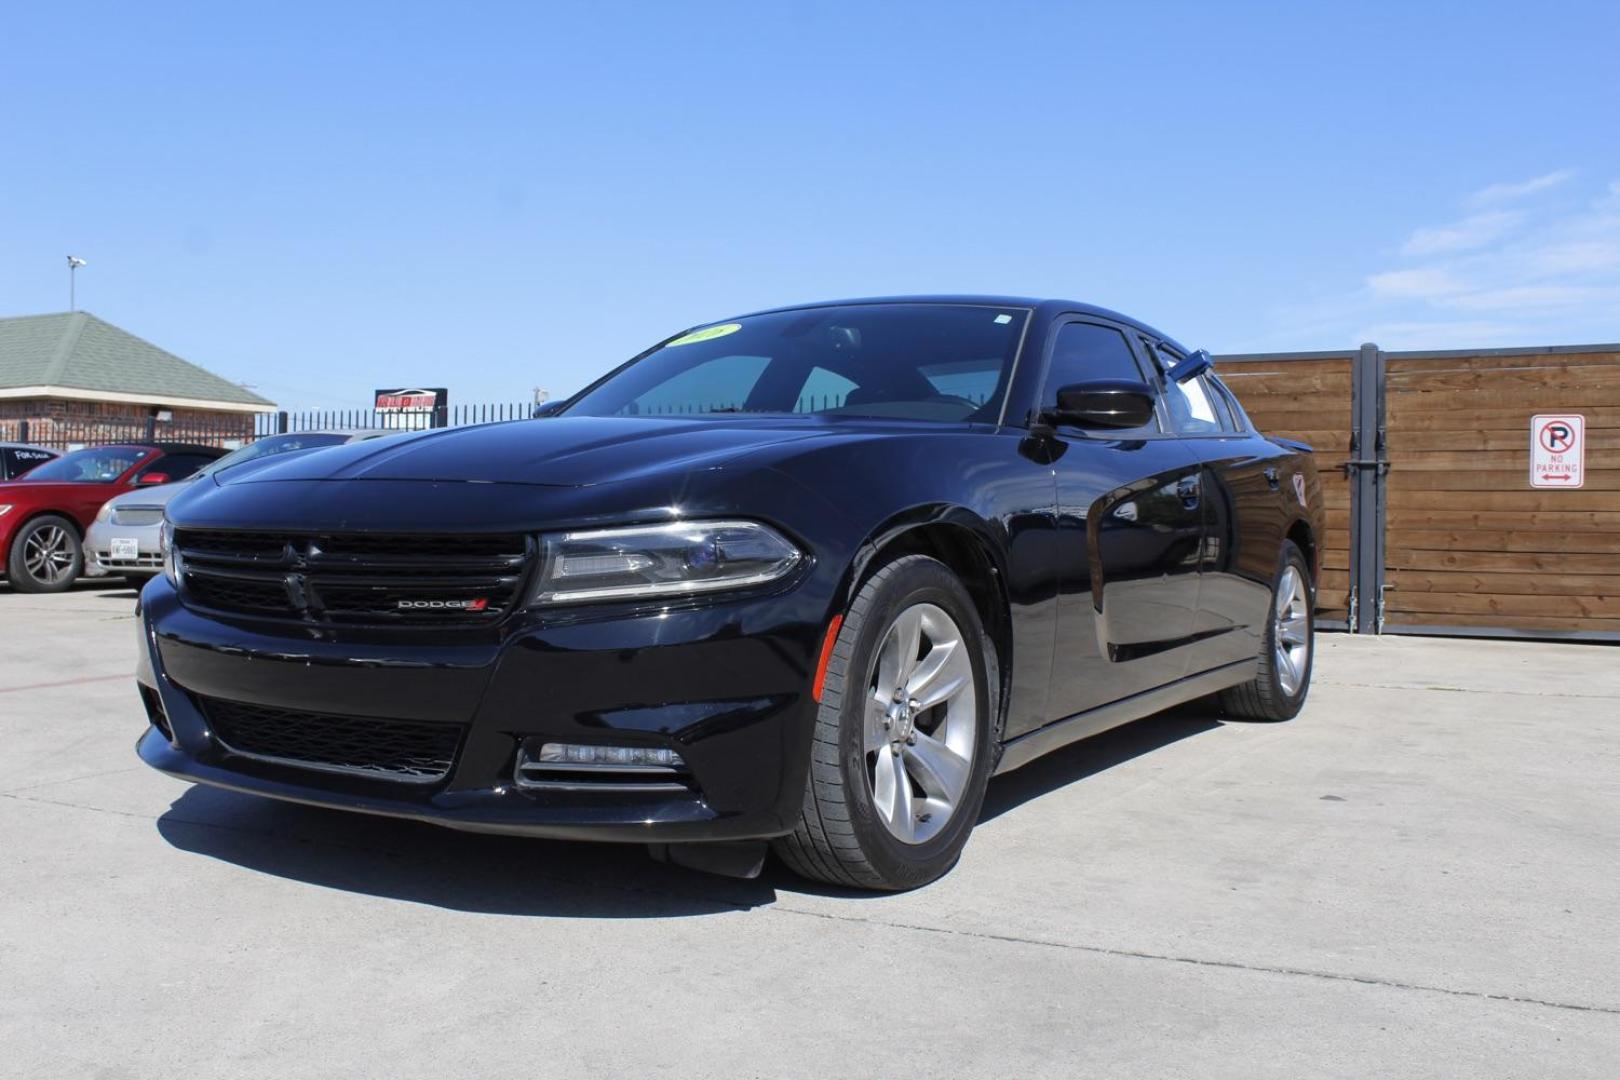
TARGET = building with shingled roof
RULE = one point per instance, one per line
(71, 378)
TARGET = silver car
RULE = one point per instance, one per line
(124, 537)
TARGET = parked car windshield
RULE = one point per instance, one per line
(97, 465)
(947, 362)
(271, 445)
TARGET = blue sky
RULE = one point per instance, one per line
(321, 199)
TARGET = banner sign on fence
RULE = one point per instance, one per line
(1558, 451)
(410, 408)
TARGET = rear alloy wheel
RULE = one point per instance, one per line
(45, 556)
(901, 753)
(1284, 678)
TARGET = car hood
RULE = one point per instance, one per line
(556, 452)
(156, 496)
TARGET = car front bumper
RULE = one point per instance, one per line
(727, 685)
(98, 547)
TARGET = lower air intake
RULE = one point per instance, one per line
(403, 750)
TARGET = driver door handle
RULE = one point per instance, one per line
(1187, 489)
(1272, 476)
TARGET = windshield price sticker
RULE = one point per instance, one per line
(1558, 451)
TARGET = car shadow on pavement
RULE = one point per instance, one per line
(1088, 757)
(461, 871)
(475, 872)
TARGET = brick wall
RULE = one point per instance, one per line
(59, 423)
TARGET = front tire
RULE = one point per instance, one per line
(45, 556)
(901, 752)
(1289, 650)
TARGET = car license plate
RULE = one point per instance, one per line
(126, 548)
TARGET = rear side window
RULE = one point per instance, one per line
(16, 460)
(1083, 352)
(1195, 407)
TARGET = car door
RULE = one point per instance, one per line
(1243, 479)
(1130, 526)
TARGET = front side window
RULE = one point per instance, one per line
(98, 465)
(941, 362)
(1087, 352)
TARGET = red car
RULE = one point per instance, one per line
(44, 514)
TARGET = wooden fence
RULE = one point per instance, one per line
(1307, 397)
(1460, 541)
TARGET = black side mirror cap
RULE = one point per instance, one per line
(1197, 362)
(1103, 403)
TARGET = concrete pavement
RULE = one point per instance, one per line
(1416, 878)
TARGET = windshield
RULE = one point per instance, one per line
(271, 445)
(98, 465)
(947, 362)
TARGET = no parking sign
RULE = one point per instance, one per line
(1558, 451)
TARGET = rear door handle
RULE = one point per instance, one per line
(1272, 477)
(1187, 489)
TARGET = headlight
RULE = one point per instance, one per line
(171, 557)
(661, 560)
(105, 513)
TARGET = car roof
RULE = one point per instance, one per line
(1051, 305)
(27, 446)
(166, 447)
(349, 431)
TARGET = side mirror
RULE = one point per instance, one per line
(550, 408)
(1104, 403)
(1198, 362)
(148, 479)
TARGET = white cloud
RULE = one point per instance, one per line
(1472, 232)
(1435, 335)
(1576, 257)
(1527, 297)
(1426, 281)
(1545, 269)
(1501, 193)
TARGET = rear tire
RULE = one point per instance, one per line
(45, 555)
(1288, 652)
(901, 752)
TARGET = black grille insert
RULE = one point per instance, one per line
(408, 750)
(379, 579)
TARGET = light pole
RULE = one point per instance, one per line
(74, 262)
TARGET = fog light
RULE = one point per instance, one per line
(610, 756)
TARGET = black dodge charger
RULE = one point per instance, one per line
(805, 578)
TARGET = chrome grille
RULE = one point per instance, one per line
(377, 579)
(137, 515)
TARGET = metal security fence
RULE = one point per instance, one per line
(442, 417)
(76, 433)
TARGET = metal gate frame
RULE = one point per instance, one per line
(1366, 469)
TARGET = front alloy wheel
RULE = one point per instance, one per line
(901, 750)
(45, 556)
(922, 719)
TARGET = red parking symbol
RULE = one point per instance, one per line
(1556, 436)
